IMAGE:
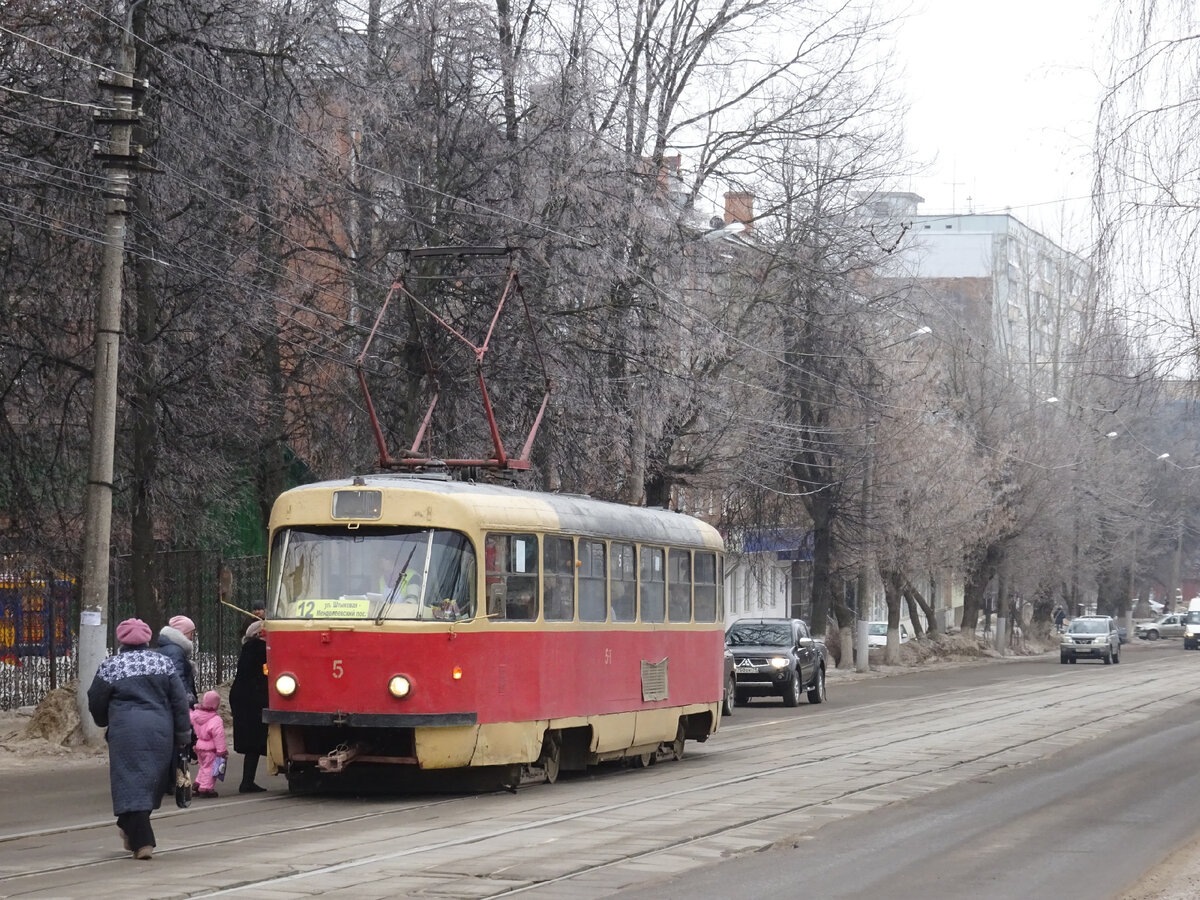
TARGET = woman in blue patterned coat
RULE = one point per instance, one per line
(140, 699)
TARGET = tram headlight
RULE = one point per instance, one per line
(780, 662)
(286, 685)
(399, 687)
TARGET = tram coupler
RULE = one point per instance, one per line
(337, 760)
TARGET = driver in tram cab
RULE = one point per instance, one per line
(385, 579)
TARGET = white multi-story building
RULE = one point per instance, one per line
(995, 278)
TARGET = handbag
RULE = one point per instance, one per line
(218, 769)
(183, 781)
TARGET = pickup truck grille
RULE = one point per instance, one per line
(751, 662)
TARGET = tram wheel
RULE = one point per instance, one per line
(551, 759)
(677, 746)
(642, 761)
(302, 781)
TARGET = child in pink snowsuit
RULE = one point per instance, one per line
(210, 742)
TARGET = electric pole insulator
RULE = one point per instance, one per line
(116, 116)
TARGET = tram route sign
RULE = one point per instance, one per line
(345, 607)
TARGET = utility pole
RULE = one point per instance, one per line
(862, 659)
(1177, 572)
(117, 157)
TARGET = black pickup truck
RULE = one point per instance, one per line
(777, 658)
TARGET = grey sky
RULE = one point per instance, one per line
(1002, 105)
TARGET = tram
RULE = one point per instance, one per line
(419, 625)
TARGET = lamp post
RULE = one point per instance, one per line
(863, 584)
(1073, 602)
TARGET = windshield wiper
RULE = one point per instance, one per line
(391, 596)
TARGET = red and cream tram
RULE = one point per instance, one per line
(417, 623)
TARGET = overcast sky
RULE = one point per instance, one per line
(1002, 105)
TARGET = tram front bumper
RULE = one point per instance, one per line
(368, 720)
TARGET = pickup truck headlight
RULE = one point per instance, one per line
(780, 662)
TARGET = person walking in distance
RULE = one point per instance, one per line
(210, 742)
(247, 700)
(176, 642)
(138, 697)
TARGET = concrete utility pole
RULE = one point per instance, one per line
(862, 658)
(120, 161)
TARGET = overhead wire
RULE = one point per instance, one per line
(687, 311)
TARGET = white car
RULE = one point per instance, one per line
(877, 634)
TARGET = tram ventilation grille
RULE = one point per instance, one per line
(654, 680)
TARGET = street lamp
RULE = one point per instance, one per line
(861, 651)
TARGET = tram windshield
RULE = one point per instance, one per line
(371, 573)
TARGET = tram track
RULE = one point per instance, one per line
(846, 736)
(885, 720)
(667, 847)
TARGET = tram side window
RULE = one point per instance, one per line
(623, 583)
(679, 585)
(706, 587)
(558, 568)
(720, 589)
(512, 577)
(593, 606)
(653, 585)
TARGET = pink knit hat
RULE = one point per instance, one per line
(183, 624)
(133, 632)
(212, 700)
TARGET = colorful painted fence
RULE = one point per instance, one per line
(39, 617)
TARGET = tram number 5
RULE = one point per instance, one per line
(337, 669)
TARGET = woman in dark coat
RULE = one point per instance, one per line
(247, 699)
(176, 642)
(139, 698)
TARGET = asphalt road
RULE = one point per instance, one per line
(1008, 780)
(1086, 822)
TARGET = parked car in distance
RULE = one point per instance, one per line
(877, 634)
(1094, 637)
(1162, 627)
(729, 693)
(777, 657)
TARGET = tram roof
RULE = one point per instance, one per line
(502, 507)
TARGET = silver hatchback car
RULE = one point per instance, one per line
(1095, 637)
(1165, 626)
